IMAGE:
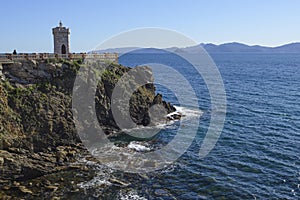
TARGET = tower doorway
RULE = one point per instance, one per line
(63, 49)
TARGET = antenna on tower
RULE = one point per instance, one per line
(60, 24)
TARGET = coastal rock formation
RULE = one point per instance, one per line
(37, 131)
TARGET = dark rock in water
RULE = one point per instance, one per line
(146, 119)
(174, 116)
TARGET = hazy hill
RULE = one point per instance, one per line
(233, 47)
(243, 48)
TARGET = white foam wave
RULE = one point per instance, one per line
(96, 181)
(130, 195)
(160, 125)
(186, 112)
(182, 111)
(138, 147)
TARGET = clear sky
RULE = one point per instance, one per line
(26, 24)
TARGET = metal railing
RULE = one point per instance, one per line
(6, 58)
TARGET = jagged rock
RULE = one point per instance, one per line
(52, 187)
(31, 71)
(38, 134)
(5, 144)
(118, 182)
(61, 155)
(1, 161)
(25, 190)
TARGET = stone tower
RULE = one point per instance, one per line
(61, 36)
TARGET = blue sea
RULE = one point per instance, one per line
(257, 155)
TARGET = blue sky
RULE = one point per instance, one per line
(26, 24)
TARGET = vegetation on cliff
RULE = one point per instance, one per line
(37, 131)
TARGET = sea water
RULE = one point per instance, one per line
(257, 155)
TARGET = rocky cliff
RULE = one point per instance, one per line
(37, 131)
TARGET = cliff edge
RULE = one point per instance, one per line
(37, 130)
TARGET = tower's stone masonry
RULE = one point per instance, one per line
(61, 36)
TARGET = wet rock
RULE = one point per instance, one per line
(144, 176)
(51, 187)
(6, 187)
(15, 183)
(118, 182)
(6, 144)
(61, 155)
(30, 172)
(38, 134)
(25, 190)
(16, 150)
(10, 161)
(175, 116)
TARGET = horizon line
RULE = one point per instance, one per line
(202, 43)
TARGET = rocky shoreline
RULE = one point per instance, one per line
(38, 138)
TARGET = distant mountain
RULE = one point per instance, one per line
(135, 50)
(213, 48)
(233, 47)
(288, 48)
(243, 48)
(117, 50)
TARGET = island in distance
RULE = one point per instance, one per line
(233, 47)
